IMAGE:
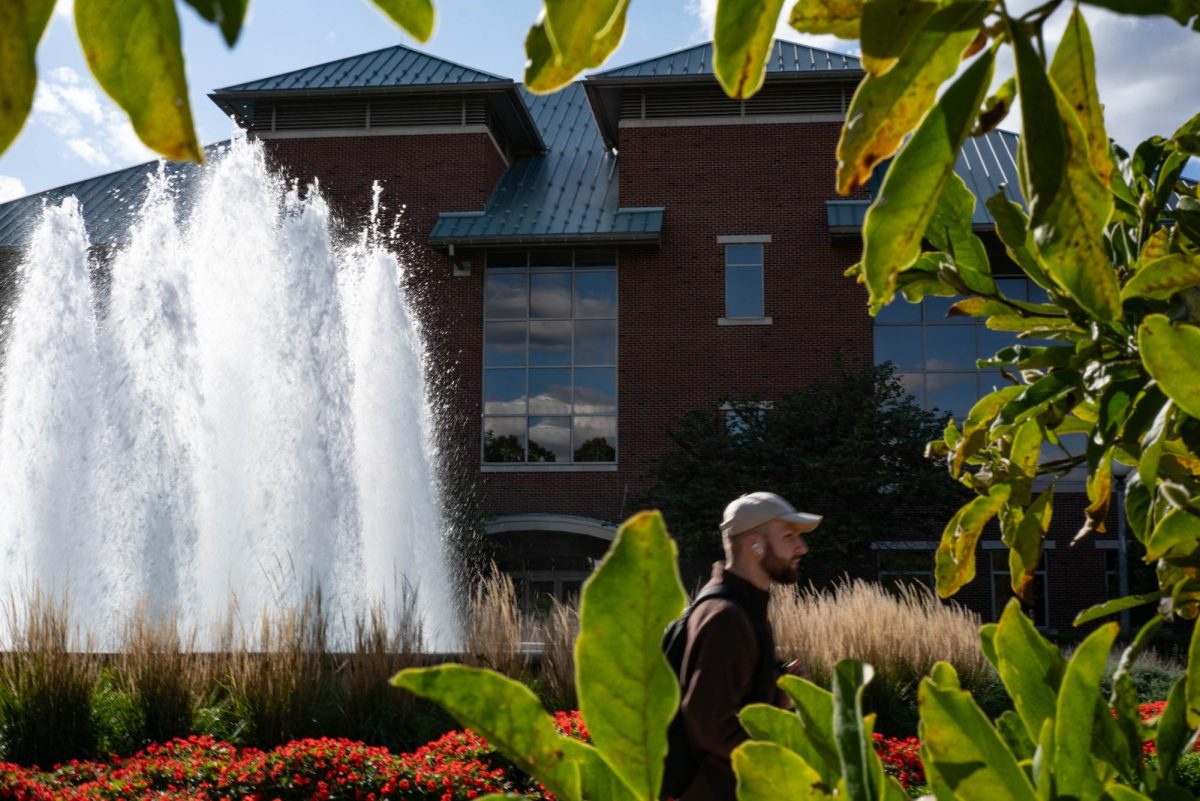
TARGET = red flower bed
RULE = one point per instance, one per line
(901, 757)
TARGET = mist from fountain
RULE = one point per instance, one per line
(247, 418)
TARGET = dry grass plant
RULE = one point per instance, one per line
(560, 629)
(160, 672)
(494, 625)
(902, 633)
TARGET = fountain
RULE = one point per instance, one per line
(246, 418)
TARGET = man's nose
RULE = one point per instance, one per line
(801, 547)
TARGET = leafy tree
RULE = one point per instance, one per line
(849, 446)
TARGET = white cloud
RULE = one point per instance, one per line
(90, 126)
(705, 12)
(65, 9)
(11, 188)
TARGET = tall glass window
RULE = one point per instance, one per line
(935, 355)
(744, 281)
(550, 357)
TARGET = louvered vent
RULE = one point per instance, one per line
(324, 115)
(712, 102)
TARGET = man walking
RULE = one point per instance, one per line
(729, 660)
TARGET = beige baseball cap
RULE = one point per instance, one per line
(751, 511)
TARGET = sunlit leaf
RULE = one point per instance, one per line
(628, 694)
(965, 750)
(1099, 490)
(1117, 605)
(742, 40)
(1162, 278)
(886, 108)
(772, 724)
(228, 15)
(955, 556)
(505, 712)
(949, 230)
(1173, 737)
(838, 17)
(1175, 529)
(21, 25)
(1172, 357)
(569, 38)
(1025, 542)
(1074, 720)
(855, 745)
(1023, 458)
(767, 771)
(1073, 72)
(814, 707)
(134, 52)
(888, 26)
(1029, 666)
(1192, 685)
(414, 16)
(1185, 12)
(981, 415)
(1012, 226)
(898, 218)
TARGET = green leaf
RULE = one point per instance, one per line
(886, 108)
(955, 557)
(22, 23)
(569, 38)
(1118, 605)
(597, 779)
(134, 52)
(1192, 680)
(1176, 528)
(767, 771)
(414, 16)
(627, 690)
(814, 707)
(1025, 542)
(506, 713)
(1038, 395)
(1073, 72)
(888, 26)
(838, 17)
(968, 754)
(1012, 730)
(1173, 737)
(227, 14)
(772, 724)
(855, 745)
(995, 109)
(1029, 666)
(1075, 716)
(1185, 12)
(949, 230)
(1012, 226)
(1172, 357)
(1023, 458)
(1099, 490)
(742, 40)
(897, 219)
(1162, 278)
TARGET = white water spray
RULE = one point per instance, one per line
(248, 418)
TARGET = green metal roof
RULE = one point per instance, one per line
(396, 66)
(785, 57)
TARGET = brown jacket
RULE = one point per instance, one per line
(719, 676)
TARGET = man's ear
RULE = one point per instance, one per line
(757, 546)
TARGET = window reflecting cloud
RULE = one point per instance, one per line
(504, 344)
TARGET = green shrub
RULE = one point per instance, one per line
(1153, 676)
(1187, 773)
(116, 717)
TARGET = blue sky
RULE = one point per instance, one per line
(76, 132)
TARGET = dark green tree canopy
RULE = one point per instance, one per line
(849, 446)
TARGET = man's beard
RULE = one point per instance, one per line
(780, 570)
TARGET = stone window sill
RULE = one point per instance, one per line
(744, 321)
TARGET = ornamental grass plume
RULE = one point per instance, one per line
(901, 632)
(494, 625)
(560, 629)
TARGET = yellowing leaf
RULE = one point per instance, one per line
(886, 108)
(955, 557)
(897, 219)
(414, 16)
(888, 27)
(133, 50)
(1073, 72)
(744, 34)
(569, 38)
(1172, 357)
(767, 771)
(838, 17)
(1176, 528)
(21, 25)
(1162, 278)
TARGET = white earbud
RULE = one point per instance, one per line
(757, 547)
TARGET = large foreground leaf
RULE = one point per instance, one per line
(1029, 666)
(569, 38)
(838, 17)
(414, 16)
(133, 50)
(886, 108)
(954, 561)
(505, 712)
(627, 691)
(1075, 715)
(1172, 357)
(1073, 72)
(898, 218)
(855, 745)
(767, 771)
(21, 25)
(1162, 278)
(772, 724)
(744, 34)
(1185, 12)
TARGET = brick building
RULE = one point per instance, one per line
(592, 264)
